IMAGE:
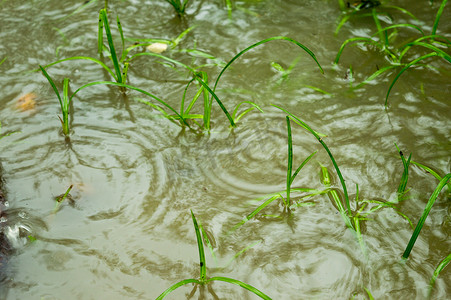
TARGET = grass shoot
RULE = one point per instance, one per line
(179, 6)
(64, 100)
(382, 40)
(203, 280)
(59, 199)
(285, 196)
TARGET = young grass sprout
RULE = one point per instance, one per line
(64, 100)
(203, 279)
(287, 200)
(60, 199)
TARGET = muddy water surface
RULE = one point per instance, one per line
(128, 234)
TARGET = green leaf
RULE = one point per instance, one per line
(404, 69)
(425, 214)
(109, 37)
(200, 246)
(309, 52)
(176, 286)
(241, 284)
(437, 17)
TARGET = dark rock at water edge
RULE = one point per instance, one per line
(5, 247)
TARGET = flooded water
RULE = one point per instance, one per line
(126, 230)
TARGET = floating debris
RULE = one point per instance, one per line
(157, 47)
(27, 101)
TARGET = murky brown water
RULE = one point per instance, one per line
(136, 175)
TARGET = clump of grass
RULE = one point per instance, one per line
(286, 195)
(396, 54)
(119, 60)
(179, 6)
(203, 279)
(204, 88)
(320, 140)
(64, 100)
(120, 73)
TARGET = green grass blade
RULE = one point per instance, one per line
(400, 26)
(382, 33)
(370, 297)
(253, 106)
(359, 236)
(438, 16)
(191, 104)
(309, 52)
(342, 4)
(425, 214)
(433, 38)
(229, 8)
(207, 102)
(374, 75)
(162, 57)
(53, 86)
(177, 40)
(440, 268)
(256, 211)
(226, 112)
(119, 27)
(132, 88)
(207, 241)
(66, 102)
(2, 61)
(343, 20)
(301, 166)
(439, 51)
(60, 199)
(235, 111)
(405, 175)
(403, 10)
(413, 62)
(241, 284)
(100, 35)
(356, 39)
(321, 135)
(241, 252)
(162, 111)
(325, 178)
(387, 204)
(124, 73)
(176, 286)
(200, 246)
(429, 170)
(109, 37)
(84, 58)
(290, 161)
(182, 104)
